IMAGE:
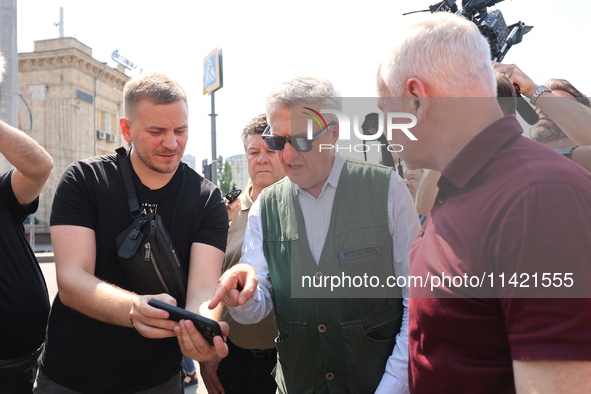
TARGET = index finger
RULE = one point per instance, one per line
(248, 289)
(226, 283)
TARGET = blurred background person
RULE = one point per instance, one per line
(546, 131)
(564, 125)
(252, 355)
(506, 96)
(189, 372)
(412, 178)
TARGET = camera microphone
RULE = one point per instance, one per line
(525, 110)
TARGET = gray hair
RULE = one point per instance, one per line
(444, 51)
(307, 90)
(2, 66)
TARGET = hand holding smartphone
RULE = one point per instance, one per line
(207, 327)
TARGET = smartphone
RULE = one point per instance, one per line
(207, 327)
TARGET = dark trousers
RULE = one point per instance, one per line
(44, 385)
(248, 371)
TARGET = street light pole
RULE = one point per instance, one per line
(214, 172)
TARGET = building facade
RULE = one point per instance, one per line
(63, 93)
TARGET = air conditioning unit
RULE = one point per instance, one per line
(101, 135)
(111, 137)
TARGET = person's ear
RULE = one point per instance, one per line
(415, 88)
(417, 92)
(125, 129)
(334, 133)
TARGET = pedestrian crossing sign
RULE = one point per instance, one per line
(212, 71)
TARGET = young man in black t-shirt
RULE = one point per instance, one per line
(24, 303)
(101, 336)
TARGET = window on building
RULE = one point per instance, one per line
(106, 121)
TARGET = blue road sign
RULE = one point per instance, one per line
(212, 71)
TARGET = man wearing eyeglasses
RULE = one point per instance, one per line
(332, 218)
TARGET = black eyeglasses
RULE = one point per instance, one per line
(301, 144)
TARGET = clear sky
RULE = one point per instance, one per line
(265, 42)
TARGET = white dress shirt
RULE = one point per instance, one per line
(404, 226)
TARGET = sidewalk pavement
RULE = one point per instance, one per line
(44, 253)
(45, 257)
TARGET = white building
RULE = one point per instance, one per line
(239, 170)
(191, 162)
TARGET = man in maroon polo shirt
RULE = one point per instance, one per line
(509, 213)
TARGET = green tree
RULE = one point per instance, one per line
(224, 175)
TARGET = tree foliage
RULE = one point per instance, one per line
(224, 175)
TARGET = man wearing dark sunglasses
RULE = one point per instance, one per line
(305, 168)
(332, 216)
(299, 143)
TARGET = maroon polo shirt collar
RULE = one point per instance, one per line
(479, 151)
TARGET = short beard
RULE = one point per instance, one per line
(153, 168)
(546, 132)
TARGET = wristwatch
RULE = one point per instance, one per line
(541, 89)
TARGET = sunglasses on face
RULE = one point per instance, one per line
(301, 143)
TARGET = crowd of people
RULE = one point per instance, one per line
(494, 205)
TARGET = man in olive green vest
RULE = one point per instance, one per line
(333, 218)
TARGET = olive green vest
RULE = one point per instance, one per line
(332, 341)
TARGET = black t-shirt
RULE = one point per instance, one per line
(85, 354)
(24, 303)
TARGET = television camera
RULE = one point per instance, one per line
(500, 36)
(491, 24)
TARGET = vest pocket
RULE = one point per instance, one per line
(358, 255)
(294, 365)
(368, 344)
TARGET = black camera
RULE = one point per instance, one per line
(500, 36)
(233, 194)
(491, 24)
